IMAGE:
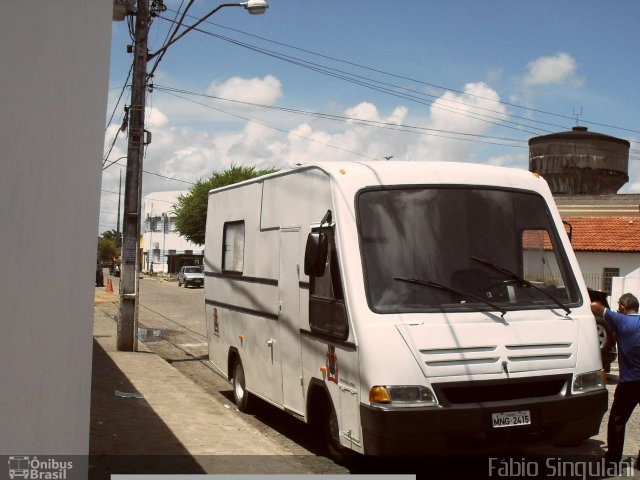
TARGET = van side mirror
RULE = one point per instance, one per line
(315, 254)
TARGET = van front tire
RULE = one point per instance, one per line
(240, 393)
(331, 434)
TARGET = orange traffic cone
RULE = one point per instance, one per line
(109, 288)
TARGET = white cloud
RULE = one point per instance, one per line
(517, 160)
(155, 118)
(189, 151)
(264, 91)
(554, 69)
(454, 112)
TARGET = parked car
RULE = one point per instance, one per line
(191, 275)
(606, 335)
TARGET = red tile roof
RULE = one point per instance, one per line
(605, 234)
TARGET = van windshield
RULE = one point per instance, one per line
(461, 248)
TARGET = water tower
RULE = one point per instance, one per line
(580, 162)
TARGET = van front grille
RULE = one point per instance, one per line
(501, 390)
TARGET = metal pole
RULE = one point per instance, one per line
(127, 340)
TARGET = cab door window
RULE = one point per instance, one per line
(327, 314)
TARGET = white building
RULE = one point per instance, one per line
(163, 249)
(605, 233)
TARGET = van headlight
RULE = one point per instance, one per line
(590, 381)
(402, 396)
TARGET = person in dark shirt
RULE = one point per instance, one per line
(626, 324)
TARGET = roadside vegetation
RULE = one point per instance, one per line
(109, 245)
(191, 209)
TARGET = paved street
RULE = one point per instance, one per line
(174, 322)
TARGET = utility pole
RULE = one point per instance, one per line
(127, 339)
(118, 239)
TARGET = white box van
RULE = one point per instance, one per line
(403, 304)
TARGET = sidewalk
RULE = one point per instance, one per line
(146, 417)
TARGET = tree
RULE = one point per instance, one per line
(107, 246)
(191, 209)
(113, 235)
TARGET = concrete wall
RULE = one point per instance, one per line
(54, 83)
(630, 283)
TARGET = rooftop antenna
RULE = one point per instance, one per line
(576, 114)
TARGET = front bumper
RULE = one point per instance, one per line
(419, 431)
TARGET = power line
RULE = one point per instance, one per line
(394, 90)
(124, 87)
(306, 64)
(352, 120)
(115, 137)
(276, 128)
(170, 36)
(117, 162)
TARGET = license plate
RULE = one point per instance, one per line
(511, 419)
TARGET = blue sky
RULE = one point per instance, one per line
(465, 80)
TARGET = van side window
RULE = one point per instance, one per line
(327, 314)
(233, 247)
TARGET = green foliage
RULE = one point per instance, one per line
(191, 209)
(108, 245)
(107, 249)
(112, 235)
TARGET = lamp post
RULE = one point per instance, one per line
(127, 339)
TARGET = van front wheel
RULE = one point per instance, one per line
(240, 394)
(336, 451)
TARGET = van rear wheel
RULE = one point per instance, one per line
(240, 394)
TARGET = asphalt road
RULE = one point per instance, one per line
(174, 321)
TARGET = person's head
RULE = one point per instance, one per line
(628, 304)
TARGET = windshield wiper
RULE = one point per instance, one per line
(446, 288)
(518, 278)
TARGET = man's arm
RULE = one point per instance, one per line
(597, 309)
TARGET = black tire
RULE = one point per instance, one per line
(331, 434)
(605, 334)
(179, 284)
(240, 394)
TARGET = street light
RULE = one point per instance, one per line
(127, 339)
(254, 7)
